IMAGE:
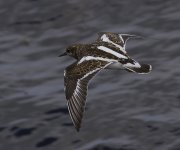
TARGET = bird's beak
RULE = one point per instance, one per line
(64, 54)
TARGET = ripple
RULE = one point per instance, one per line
(57, 111)
(2, 129)
(21, 132)
(46, 141)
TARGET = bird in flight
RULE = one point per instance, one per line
(107, 52)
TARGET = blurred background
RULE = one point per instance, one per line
(124, 111)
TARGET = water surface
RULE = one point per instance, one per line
(124, 111)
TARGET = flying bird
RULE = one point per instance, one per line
(107, 52)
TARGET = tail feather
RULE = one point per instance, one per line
(142, 69)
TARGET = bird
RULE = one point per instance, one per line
(108, 51)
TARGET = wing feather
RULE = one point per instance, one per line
(115, 40)
(77, 77)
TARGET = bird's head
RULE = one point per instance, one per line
(71, 51)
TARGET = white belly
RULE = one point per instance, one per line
(115, 65)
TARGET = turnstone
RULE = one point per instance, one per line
(108, 51)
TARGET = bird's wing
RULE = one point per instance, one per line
(76, 78)
(115, 39)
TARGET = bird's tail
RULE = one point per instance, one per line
(137, 67)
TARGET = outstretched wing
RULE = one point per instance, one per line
(76, 78)
(116, 40)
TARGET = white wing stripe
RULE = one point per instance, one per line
(94, 71)
(110, 51)
(121, 38)
(136, 65)
(86, 58)
(106, 39)
(90, 73)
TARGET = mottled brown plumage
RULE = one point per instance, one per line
(107, 51)
(76, 100)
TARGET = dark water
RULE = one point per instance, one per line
(124, 111)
